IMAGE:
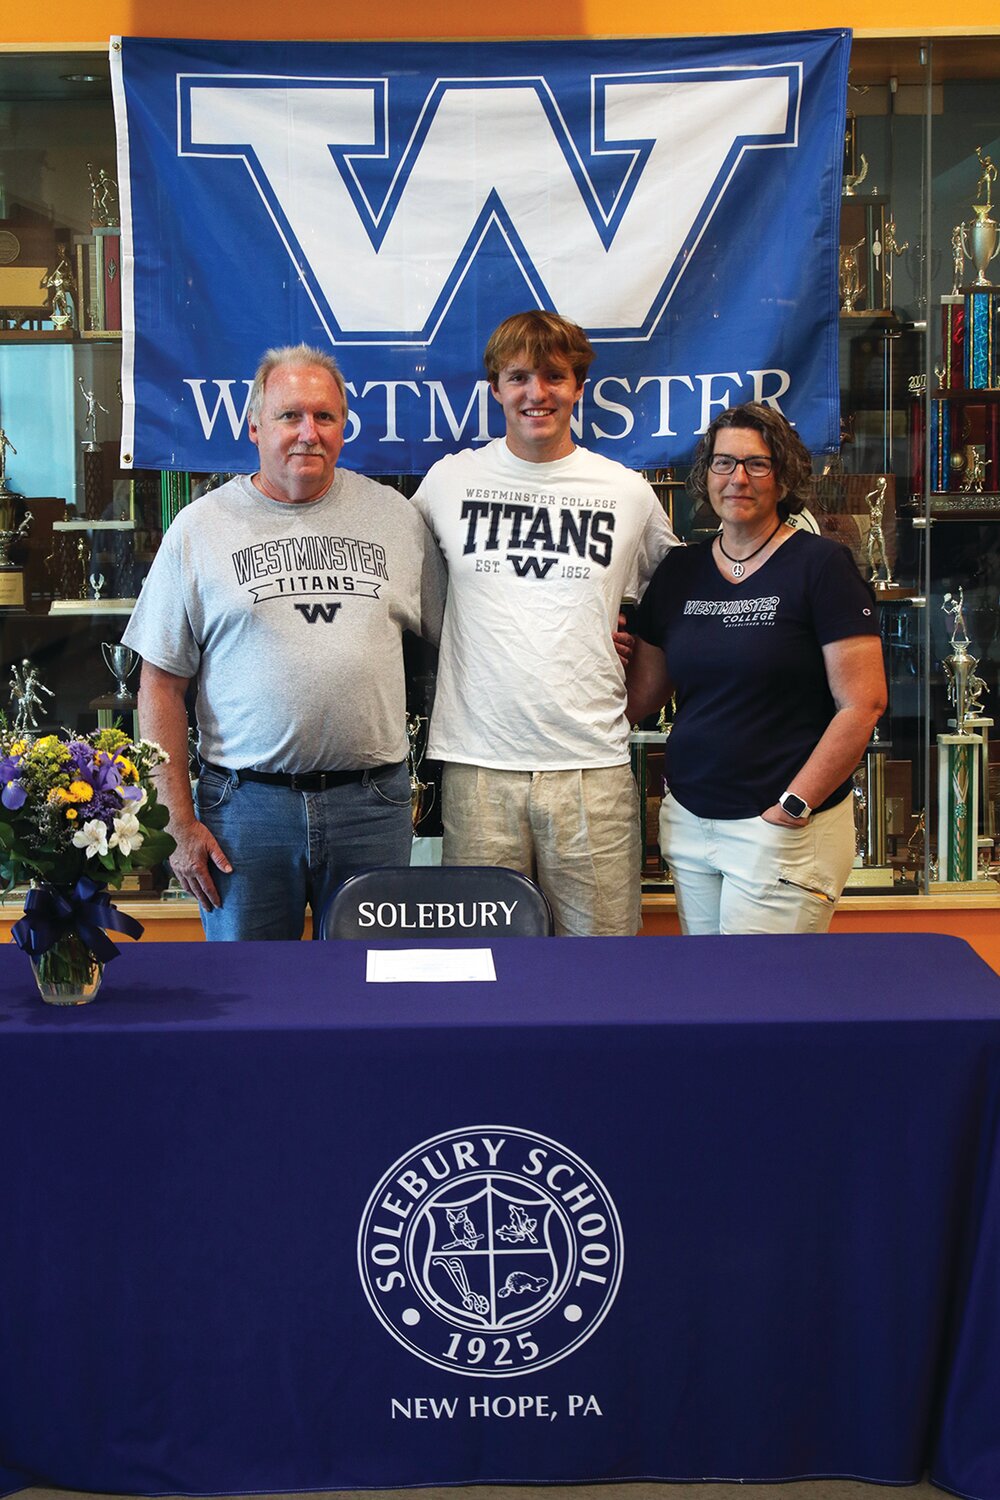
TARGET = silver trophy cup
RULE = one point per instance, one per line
(980, 243)
(121, 663)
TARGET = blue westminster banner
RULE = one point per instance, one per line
(392, 202)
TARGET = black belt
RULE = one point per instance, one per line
(298, 781)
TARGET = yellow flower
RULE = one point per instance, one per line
(59, 794)
(71, 813)
(126, 768)
(110, 739)
(80, 791)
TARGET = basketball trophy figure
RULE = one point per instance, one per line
(104, 198)
(61, 283)
(25, 690)
(878, 553)
(877, 556)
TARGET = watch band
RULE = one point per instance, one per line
(794, 805)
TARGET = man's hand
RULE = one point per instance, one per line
(197, 849)
(624, 643)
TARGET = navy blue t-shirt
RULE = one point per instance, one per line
(746, 660)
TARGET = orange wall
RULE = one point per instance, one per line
(980, 927)
(88, 22)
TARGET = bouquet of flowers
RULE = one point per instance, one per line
(77, 814)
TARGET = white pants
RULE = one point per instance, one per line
(574, 832)
(744, 875)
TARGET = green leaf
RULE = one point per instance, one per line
(154, 850)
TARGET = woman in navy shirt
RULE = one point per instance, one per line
(767, 637)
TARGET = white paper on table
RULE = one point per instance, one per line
(429, 965)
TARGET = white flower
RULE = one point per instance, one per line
(127, 835)
(93, 837)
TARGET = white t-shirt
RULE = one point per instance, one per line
(540, 557)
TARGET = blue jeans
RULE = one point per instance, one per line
(292, 849)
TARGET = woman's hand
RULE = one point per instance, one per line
(777, 814)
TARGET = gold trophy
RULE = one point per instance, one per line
(421, 792)
(885, 586)
(850, 278)
(853, 180)
(61, 284)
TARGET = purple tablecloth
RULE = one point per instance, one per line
(668, 1209)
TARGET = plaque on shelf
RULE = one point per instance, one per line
(93, 606)
(28, 255)
(965, 507)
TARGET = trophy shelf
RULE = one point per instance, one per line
(86, 525)
(35, 335)
(92, 606)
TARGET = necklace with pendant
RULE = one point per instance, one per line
(738, 562)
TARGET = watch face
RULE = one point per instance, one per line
(794, 806)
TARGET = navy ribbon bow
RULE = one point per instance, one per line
(53, 912)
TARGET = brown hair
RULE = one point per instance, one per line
(539, 335)
(790, 456)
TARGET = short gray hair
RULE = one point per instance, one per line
(292, 354)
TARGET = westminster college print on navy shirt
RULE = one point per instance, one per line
(746, 660)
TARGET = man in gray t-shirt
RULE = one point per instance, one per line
(283, 596)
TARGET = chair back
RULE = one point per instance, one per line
(422, 901)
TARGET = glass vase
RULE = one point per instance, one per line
(68, 973)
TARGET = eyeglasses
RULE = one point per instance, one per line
(756, 466)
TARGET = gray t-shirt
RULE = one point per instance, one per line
(290, 617)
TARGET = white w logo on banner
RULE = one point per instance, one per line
(491, 154)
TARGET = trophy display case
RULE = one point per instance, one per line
(914, 490)
(920, 401)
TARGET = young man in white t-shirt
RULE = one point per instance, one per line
(543, 540)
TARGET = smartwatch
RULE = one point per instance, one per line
(794, 805)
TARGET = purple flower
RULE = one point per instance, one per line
(13, 795)
(104, 775)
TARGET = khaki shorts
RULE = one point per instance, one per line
(574, 832)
